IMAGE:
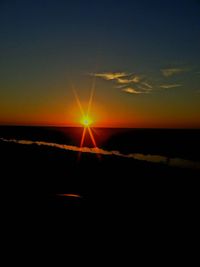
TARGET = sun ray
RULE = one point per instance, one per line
(83, 137)
(82, 142)
(93, 141)
(92, 137)
(78, 102)
(91, 96)
(86, 120)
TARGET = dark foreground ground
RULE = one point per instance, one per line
(149, 210)
(33, 179)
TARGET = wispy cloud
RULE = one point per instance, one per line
(110, 75)
(130, 90)
(172, 71)
(178, 162)
(129, 83)
(169, 86)
(134, 83)
(135, 79)
(119, 77)
(147, 85)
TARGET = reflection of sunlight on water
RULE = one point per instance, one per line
(174, 162)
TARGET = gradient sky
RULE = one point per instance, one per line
(144, 56)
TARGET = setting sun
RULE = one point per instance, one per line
(86, 121)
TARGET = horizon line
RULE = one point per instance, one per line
(107, 127)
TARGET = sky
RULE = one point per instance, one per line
(141, 56)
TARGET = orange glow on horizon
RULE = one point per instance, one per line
(104, 112)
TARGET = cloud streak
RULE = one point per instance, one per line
(135, 79)
(175, 162)
(130, 83)
(130, 90)
(147, 85)
(171, 71)
(169, 86)
(118, 77)
(109, 76)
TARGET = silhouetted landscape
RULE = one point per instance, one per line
(48, 182)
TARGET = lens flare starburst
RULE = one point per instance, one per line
(86, 120)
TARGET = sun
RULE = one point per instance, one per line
(86, 121)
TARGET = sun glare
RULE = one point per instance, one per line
(86, 121)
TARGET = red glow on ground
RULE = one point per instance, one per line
(69, 195)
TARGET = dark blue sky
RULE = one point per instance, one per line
(46, 45)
